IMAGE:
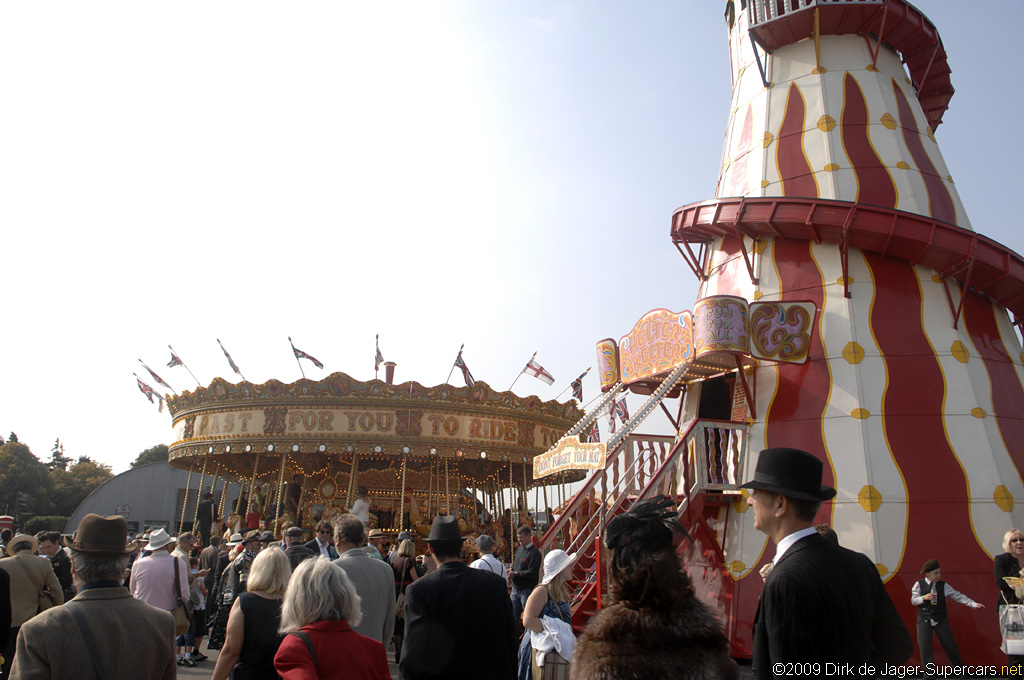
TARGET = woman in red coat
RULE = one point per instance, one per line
(319, 606)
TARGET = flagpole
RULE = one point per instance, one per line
(570, 384)
(296, 357)
(452, 370)
(159, 380)
(520, 373)
(186, 367)
(376, 352)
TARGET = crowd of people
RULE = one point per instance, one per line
(110, 606)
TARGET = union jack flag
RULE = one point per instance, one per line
(612, 410)
(299, 354)
(537, 371)
(460, 364)
(378, 359)
(231, 361)
(175, 361)
(577, 386)
(149, 393)
(595, 434)
(621, 411)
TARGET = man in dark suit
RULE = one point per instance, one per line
(323, 544)
(458, 621)
(821, 602)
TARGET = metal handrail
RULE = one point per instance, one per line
(769, 10)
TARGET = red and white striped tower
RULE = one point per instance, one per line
(833, 189)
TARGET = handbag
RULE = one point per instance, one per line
(400, 603)
(43, 594)
(182, 615)
(1011, 625)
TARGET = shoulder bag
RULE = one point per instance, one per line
(45, 597)
(400, 603)
(182, 615)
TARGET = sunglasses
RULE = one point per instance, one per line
(1017, 540)
(326, 533)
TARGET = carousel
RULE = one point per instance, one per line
(301, 450)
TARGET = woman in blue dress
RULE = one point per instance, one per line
(549, 599)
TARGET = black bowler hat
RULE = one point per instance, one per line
(790, 472)
(445, 528)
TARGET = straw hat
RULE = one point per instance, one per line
(22, 538)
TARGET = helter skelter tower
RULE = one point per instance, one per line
(832, 189)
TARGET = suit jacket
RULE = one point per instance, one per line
(315, 547)
(375, 583)
(25, 584)
(826, 603)
(5, 608)
(134, 639)
(458, 624)
(338, 647)
(1006, 565)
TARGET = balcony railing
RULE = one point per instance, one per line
(767, 10)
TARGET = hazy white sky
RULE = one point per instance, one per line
(500, 174)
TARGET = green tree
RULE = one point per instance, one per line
(12, 437)
(57, 458)
(153, 454)
(71, 486)
(22, 473)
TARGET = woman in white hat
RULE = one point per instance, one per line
(548, 621)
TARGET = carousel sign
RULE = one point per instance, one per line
(570, 454)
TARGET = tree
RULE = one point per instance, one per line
(12, 437)
(153, 454)
(24, 475)
(57, 458)
(70, 487)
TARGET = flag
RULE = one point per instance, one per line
(145, 389)
(149, 393)
(158, 379)
(231, 361)
(577, 386)
(612, 409)
(595, 434)
(460, 364)
(537, 371)
(378, 358)
(621, 411)
(299, 354)
(175, 361)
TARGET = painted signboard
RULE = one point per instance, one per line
(570, 454)
(607, 363)
(659, 342)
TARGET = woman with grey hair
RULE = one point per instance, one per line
(320, 608)
(1008, 564)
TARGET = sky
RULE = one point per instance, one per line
(499, 174)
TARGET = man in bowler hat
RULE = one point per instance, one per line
(821, 602)
(458, 621)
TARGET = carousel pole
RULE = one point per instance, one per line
(447, 490)
(252, 484)
(353, 475)
(401, 497)
(199, 491)
(184, 505)
(511, 498)
(280, 492)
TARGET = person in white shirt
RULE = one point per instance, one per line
(487, 561)
(929, 596)
(361, 508)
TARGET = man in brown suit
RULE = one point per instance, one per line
(30, 576)
(103, 632)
